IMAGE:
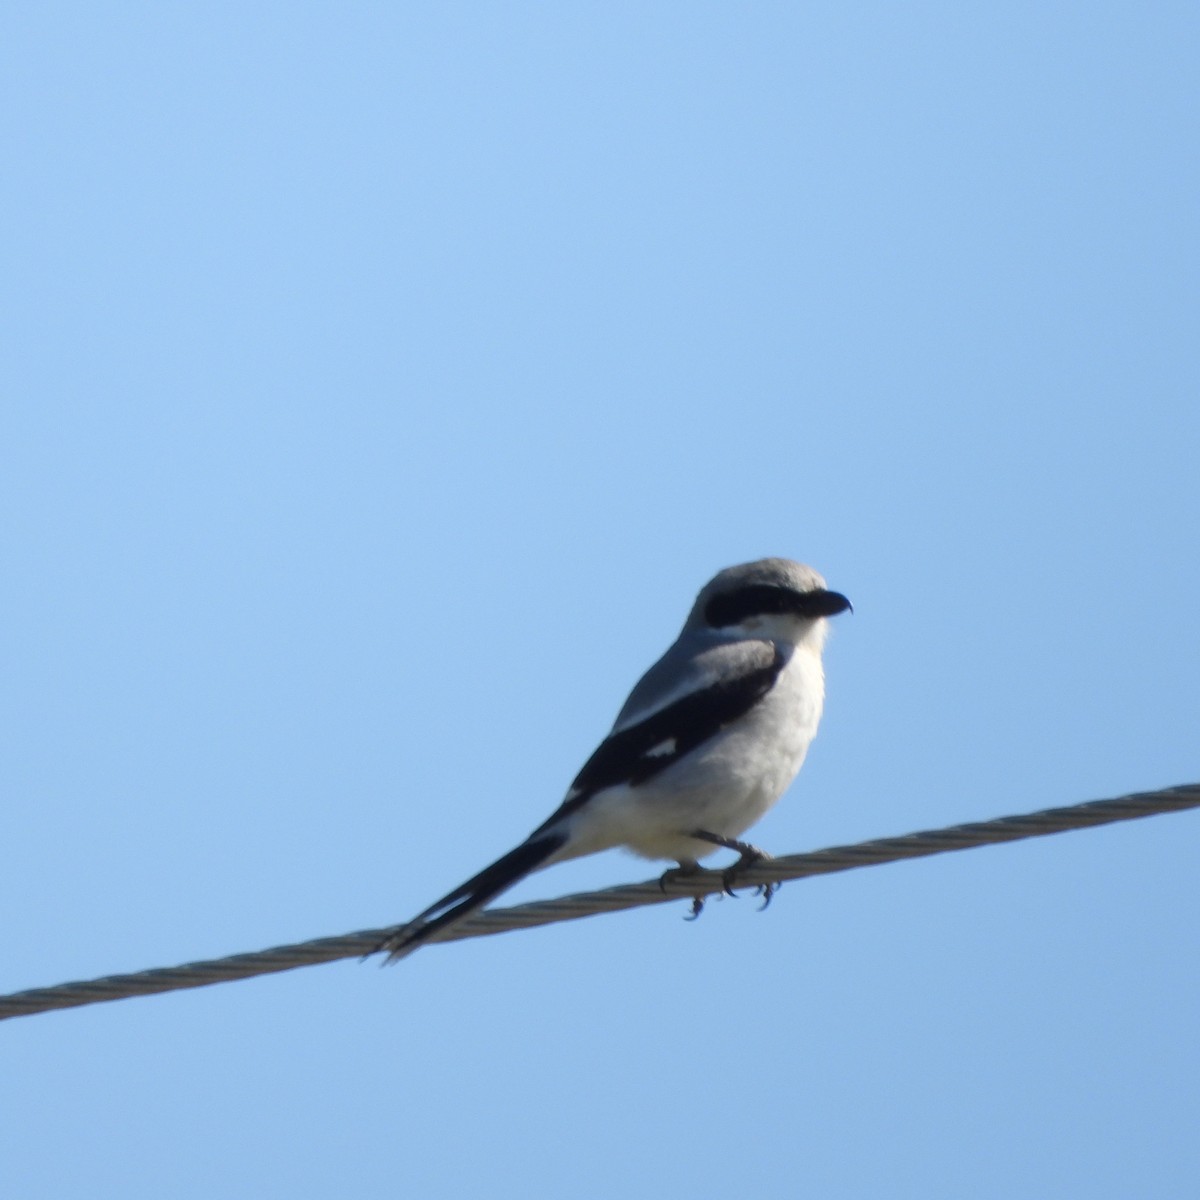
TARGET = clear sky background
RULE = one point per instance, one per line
(381, 381)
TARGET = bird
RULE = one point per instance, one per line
(706, 743)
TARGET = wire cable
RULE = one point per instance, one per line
(586, 904)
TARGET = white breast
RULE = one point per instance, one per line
(722, 787)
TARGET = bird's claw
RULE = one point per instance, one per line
(747, 858)
(674, 875)
(678, 873)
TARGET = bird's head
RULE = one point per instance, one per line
(773, 598)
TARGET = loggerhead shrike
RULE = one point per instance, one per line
(708, 740)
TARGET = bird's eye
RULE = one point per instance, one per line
(755, 600)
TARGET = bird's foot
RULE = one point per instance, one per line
(747, 856)
(674, 875)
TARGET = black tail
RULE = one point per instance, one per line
(472, 895)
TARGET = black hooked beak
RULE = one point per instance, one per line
(822, 604)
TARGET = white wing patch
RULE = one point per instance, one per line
(663, 749)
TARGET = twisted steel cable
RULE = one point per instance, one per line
(586, 904)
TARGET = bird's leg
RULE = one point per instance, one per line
(682, 872)
(748, 855)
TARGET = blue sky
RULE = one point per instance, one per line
(380, 384)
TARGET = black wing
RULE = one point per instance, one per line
(639, 752)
